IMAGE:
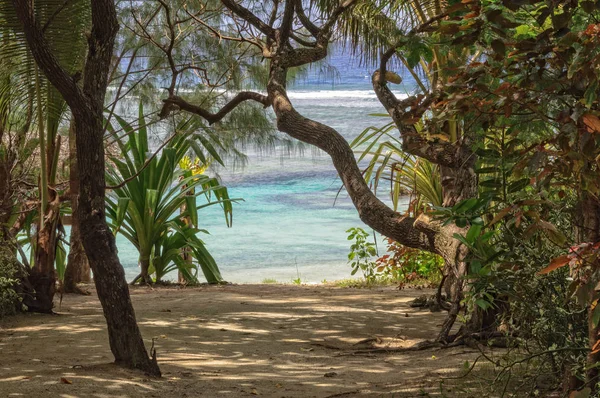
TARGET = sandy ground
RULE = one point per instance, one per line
(235, 340)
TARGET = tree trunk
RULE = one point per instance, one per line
(43, 274)
(124, 336)
(78, 267)
(186, 252)
(87, 106)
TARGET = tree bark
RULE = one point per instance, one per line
(124, 336)
(87, 105)
(78, 267)
(43, 274)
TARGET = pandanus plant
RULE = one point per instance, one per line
(151, 196)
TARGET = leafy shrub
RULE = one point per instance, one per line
(9, 299)
(361, 253)
(404, 264)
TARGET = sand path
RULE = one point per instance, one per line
(235, 340)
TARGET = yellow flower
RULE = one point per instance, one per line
(196, 167)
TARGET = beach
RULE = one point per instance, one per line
(236, 340)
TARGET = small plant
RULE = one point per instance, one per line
(297, 281)
(361, 253)
(269, 281)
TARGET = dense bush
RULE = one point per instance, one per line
(9, 299)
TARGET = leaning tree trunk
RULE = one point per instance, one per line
(423, 232)
(420, 233)
(124, 336)
(87, 106)
(78, 267)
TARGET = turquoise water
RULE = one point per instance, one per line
(290, 224)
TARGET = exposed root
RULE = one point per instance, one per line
(326, 345)
(74, 289)
(443, 304)
(343, 394)
(476, 341)
(143, 279)
(434, 303)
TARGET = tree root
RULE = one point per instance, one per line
(144, 280)
(472, 340)
(438, 296)
(74, 289)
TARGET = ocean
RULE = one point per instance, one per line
(291, 223)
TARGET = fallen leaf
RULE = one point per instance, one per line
(65, 380)
(254, 391)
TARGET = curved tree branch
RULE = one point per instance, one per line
(439, 152)
(285, 30)
(305, 21)
(371, 210)
(174, 102)
(249, 16)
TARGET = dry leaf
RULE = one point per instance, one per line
(254, 391)
(596, 347)
(585, 393)
(592, 122)
(65, 380)
(501, 214)
(555, 264)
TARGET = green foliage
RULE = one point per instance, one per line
(389, 164)
(361, 254)
(10, 301)
(512, 236)
(210, 70)
(406, 265)
(150, 191)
